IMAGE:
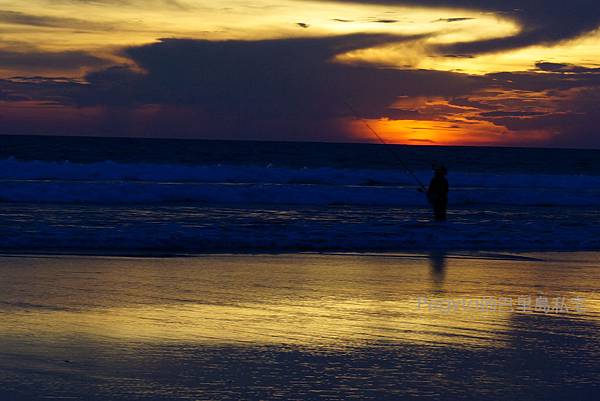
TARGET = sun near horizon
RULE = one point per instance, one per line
(429, 72)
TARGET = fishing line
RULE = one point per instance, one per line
(387, 146)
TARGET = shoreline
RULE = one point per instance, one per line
(122, 328)
(512, 255)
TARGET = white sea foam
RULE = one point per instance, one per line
(116, 183)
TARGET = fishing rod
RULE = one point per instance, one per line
(387, 146)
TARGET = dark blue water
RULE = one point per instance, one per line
(299, 154)
(141, 195)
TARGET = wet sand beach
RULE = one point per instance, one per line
(301, 326)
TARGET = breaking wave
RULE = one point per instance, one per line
(119, 183)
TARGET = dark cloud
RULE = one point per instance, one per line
(293, 89)
(459, 55)
(386, 21)
(470, 103)
(572, 115)
(418, 140)
(565, 68)
(58, 91)
(302, 25)
(265, 89)
(19, 18)
(512, 113)
(230, 67)
(537, 82)
(9, 96)
(459, 19)
(579, 125)
(289, 78)
(134, 3)
(37, 60)
(542, 22)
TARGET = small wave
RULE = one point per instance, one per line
(117, 183)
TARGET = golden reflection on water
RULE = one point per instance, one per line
(332, 301)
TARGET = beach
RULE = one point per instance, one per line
(299, 200)
(438, 325)
(206, 270)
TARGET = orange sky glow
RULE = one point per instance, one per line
(523, 91)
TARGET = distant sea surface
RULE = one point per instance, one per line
(101, 195)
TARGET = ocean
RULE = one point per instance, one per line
(154, 270)
(137, 196)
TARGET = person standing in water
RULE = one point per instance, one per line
(437, 193)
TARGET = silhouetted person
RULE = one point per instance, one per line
(437, 193)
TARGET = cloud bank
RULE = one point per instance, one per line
(542, 22)
(293, 88)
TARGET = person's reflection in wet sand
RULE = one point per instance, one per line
(437, 262)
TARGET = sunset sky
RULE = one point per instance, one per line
(447, 72)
